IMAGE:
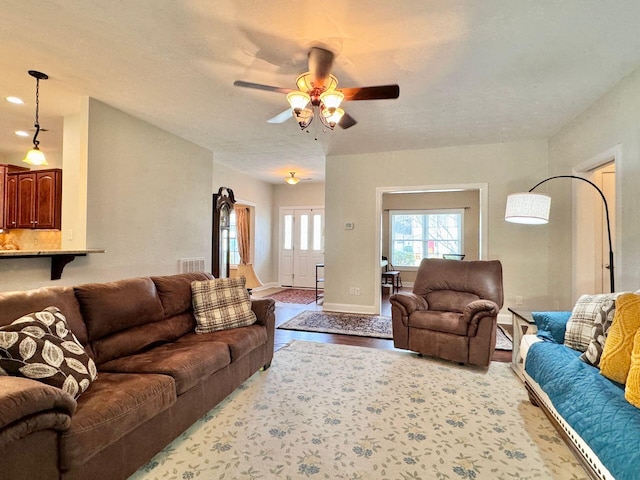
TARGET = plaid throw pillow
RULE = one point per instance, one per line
(221, 304)
(599, 333)
(584, 315)
(41, 346)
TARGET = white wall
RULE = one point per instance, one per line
(610, 121)
(259, 194)
(351, 182)
(149, 204)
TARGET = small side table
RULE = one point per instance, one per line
(523, 323)
(318, 281)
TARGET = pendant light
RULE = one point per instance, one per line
(35, 156)
(292, 180)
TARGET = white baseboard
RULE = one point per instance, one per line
(504, 319)
(348, 308)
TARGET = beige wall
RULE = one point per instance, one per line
(350, 255)
(149, 204)
(467, 200)
(610, 121)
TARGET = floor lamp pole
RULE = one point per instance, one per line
(606, 211)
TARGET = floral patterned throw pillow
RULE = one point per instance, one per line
(41, 346)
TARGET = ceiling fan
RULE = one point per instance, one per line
(317, 94)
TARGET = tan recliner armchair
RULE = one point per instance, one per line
(452, 312)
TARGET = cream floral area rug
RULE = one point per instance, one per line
(326, 411)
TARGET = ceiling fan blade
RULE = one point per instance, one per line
(259, 86)
(320, 63)
(380, 92)
(347, 121)
(281, 117)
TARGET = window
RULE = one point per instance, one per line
(234, 255)
(419, 234)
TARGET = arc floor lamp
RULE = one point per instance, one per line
(533, 209)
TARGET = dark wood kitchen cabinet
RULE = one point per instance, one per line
(37, 202)
(8, 191)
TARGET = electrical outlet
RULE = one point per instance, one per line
(356, 291)
(519, 300)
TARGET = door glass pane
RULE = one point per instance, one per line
(304, 232)
(288, 232)
(317, 232)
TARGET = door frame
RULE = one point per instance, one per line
(280, 230)
(582, 270)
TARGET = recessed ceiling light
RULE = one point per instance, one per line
(17, 100)
(22, 133)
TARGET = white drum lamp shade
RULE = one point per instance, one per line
(528, 208)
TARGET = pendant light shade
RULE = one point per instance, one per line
(35, 156)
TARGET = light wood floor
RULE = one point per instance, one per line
(286, 311)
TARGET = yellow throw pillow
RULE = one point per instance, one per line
(616, 356)
(632, 388)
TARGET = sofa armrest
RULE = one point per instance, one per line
(477, 310)
(264, 308)
(408, 303)
(27, 406)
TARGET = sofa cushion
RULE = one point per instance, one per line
(41, 346)
(143, 337)
(241, 341)
(17, 304)
(551, 325)
(175, 291)
(188, 364)
(111, 307)
(583, 316)
(616, 356)
(115, 405)
(445, 322)
(221, 304)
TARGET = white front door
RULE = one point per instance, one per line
(301, 246)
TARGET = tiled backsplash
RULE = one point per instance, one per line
(31, 239)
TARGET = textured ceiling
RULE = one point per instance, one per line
(469, 71)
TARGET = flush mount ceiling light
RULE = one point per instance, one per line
(292, 180)
(35, 156)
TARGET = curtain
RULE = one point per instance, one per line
(242, 231)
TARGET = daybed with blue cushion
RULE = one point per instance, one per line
(587, 408)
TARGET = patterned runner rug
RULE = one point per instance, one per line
(294, 295)
(377, 326)
(326, 411)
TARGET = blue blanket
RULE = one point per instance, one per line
(593, 405)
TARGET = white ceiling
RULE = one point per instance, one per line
(469, 71)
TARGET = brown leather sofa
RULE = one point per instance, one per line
(156, 377)
(452, 312)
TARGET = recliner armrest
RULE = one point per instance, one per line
(408, 303)
(477, 310)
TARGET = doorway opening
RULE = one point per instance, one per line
(590, 240)
(470, 199)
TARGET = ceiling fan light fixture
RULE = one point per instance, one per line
(332, 99)
(298, 100)
(292, 180)
(331, 119)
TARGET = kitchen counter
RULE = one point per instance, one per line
(59, 258)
